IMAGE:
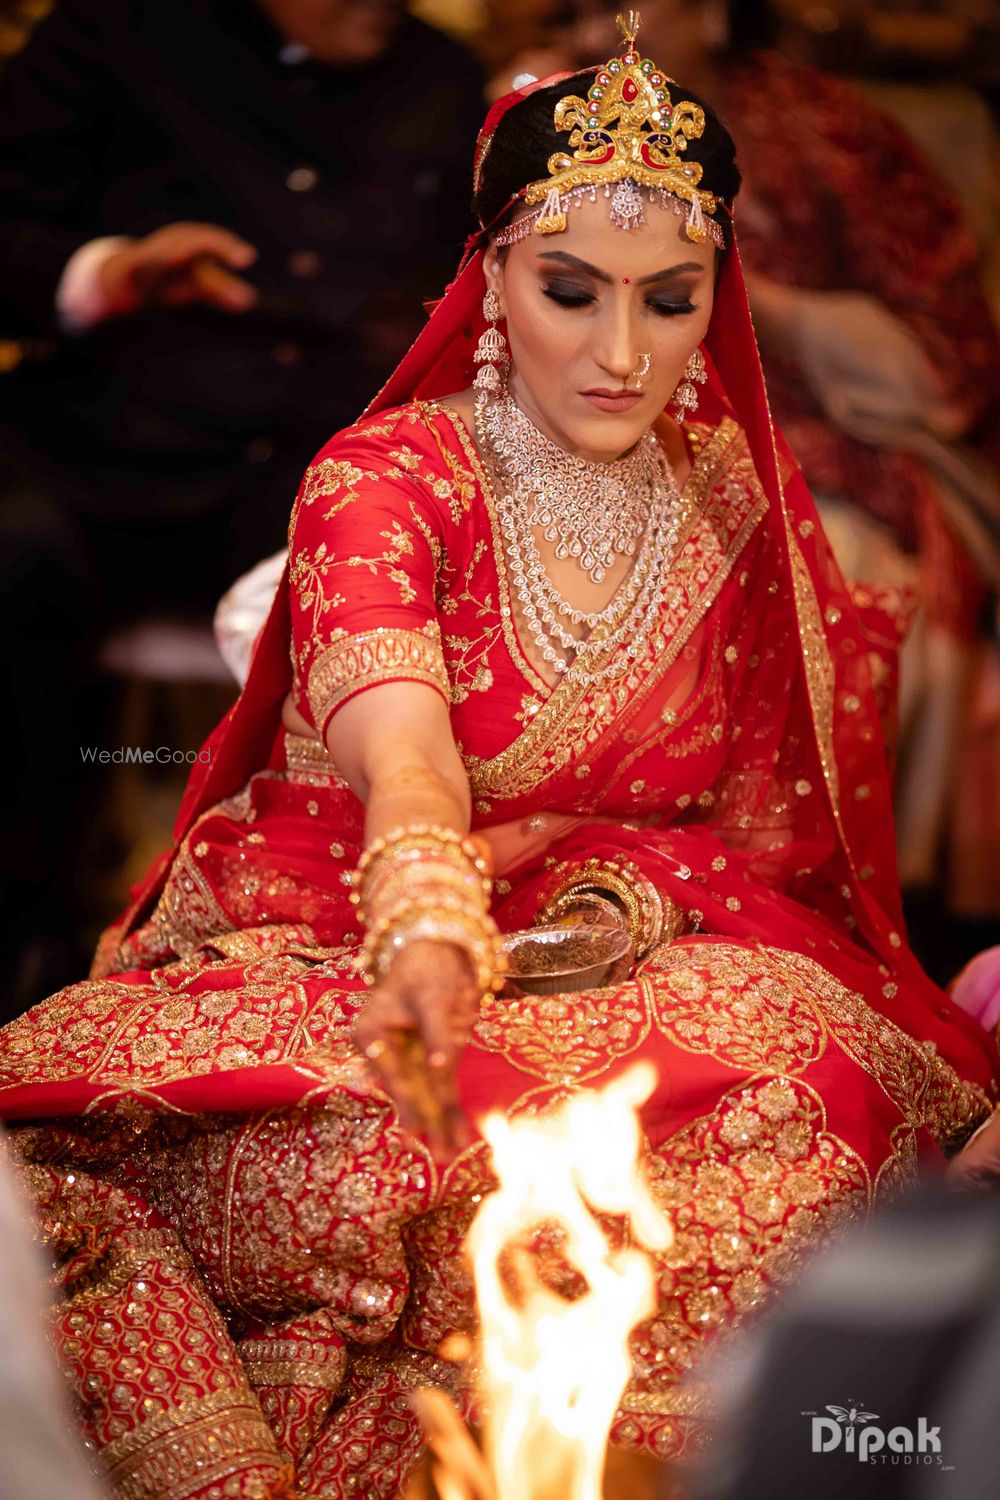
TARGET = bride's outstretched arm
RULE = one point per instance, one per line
(394, 746)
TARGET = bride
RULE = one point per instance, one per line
(544, 653)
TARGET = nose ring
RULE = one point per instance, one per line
(640, 373)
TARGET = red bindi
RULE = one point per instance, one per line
(626, 281)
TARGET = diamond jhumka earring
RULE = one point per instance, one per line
(491, 352)
(686, 395)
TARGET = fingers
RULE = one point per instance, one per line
(412, 1032)
(385, 1033)
(211, 282)
(177, 244)
(186, 263)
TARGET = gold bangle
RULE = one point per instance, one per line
(429, 882)
(400, 909)
(652, 917)
(428, 835)
(582, 901)
(384, 879)
(476, 935)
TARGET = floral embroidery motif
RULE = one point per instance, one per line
(750, 1187)
(564, 1038)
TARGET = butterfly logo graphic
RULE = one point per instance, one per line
(850, 1417)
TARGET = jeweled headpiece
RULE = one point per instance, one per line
(628, 136)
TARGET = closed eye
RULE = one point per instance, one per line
(667, 309)
(570, 296)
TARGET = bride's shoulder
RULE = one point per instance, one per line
(397, 432)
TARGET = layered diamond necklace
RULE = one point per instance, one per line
(594, 513)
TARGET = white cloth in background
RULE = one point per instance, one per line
(242, 611)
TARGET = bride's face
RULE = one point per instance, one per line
(583, 309)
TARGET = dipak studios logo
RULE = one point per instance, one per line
(849, 1429)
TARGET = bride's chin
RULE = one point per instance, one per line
(606, 438)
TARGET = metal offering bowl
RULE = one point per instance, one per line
(554, 960)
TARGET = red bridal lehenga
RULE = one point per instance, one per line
(256, 1265)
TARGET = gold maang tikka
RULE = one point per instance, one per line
(628, 137)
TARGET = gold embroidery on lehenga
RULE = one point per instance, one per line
(901, 1167)
(382, 655)
(131, 1040)
(206, 1436)
(766, 1007)
(309, 762)
(188, 913)
(564, 1038)
(278, 1360)
(750, 1187)
(731, 1003)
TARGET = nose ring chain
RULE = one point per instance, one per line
(640, 373)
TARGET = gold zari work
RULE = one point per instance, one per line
(359, 661)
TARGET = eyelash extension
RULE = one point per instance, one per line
(672, 309)
(567, 298)
(583, 299)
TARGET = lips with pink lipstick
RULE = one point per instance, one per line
(618, 401)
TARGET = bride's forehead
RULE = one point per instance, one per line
(592, 236)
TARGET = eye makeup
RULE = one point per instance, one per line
(570, 296)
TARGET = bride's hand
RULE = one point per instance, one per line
(413, 1030)
(977, 1165)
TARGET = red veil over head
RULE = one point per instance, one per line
(836, 675)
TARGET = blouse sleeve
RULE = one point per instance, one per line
(365, 546)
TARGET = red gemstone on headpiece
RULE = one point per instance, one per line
(629, 91)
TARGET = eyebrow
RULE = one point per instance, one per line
(581, 265)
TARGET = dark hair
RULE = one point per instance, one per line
(526, 137)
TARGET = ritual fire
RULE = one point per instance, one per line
(551, 1369)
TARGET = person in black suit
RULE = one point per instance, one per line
(221, 225)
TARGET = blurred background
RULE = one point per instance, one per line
(221, 227)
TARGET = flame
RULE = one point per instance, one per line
(552, 1369)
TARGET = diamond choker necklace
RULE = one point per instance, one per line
(593, 512)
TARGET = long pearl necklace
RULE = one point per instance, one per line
(594, 513)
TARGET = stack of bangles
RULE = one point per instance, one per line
(428, 883)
